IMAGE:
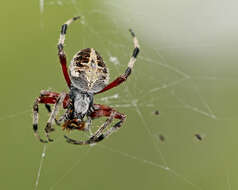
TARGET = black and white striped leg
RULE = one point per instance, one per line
(53, 114)
(99, 135)
(63, 32)
(96, 134)
(103, 126)
(36, 119)
(48, 108)
(134, 54)
(109, 131)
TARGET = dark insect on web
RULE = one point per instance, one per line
(156, 112)
(161, 137)
(87, 76)
(199, 137)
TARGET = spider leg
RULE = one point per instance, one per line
(96, 134)
(46, 97)
(103, 126)
(53, 114)
(113, 113)
(88, 124)
(35, 120)
(125, 75)
(101, 111)
(48, 108)
(61, 53)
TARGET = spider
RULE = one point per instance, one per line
(87, 76)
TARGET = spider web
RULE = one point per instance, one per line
(163, 79)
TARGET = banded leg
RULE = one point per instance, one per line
(96, 134)
(103, 126)
(48, 108)
(128, 71)
(101, 111)
(88, 124)
(53, 114)
(61, 53)
(46, 98)
(107, 110)
(36, 120)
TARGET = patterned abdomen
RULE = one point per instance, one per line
(88, 71)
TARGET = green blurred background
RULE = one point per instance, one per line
(187, 70)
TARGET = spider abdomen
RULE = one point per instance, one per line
(88, 71)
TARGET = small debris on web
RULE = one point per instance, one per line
(43, 155)
(156, 112)
(114, 60)
(161, 137)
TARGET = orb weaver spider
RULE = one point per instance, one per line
(88, 76)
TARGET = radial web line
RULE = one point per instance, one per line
(152, 136)
(41, 6)
(70, 169)
(155, 143)
(134, 103)
(205, 103)
(165, 64)
(186, 76)
(149, 162)
(193, 108)
(40, 167)
(15, 114)
(142, 117)
(125, 154)
(228, 180)
(185, 179)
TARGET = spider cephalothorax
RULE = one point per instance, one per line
(88, 75)
(88, 72)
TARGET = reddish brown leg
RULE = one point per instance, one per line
(63, 62)
(102, 111)
(61, 53)
(46, 98)
(113, 84)
(105, 111)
